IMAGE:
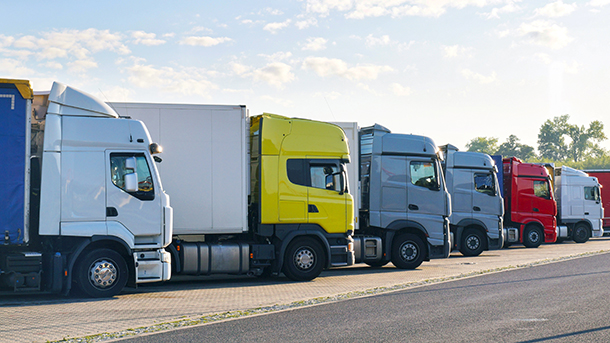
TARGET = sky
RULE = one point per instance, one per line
(449, 70)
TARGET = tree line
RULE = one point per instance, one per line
(558, 141)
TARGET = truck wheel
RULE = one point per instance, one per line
(304, 259)
(408, 251)
(101, 273)
(532, 237)
(580, 233)
(377, 264)
(472, 243)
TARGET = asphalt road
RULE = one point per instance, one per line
(558, 302)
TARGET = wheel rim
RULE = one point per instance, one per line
(304, 258)
(534, 236)
(473, 242)
(408, 251)
(103, 273)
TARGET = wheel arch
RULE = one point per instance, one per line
(469, 223)
(99, 242)
(317, 235)
(399, 227)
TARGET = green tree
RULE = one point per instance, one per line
(486, 145)
(512, 147)
(582, 141)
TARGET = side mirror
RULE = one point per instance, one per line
(130, 163)
(131, 179)
(131, 182)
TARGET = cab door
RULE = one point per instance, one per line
(327, 199)
(138, 206)
(426, 198)
(486, 200)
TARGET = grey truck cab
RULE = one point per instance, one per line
(476, 219)
(404, 202)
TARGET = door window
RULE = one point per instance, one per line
(484, 183)
(325, 177)
(592, 193)
(541, 189)
(424, 174)
(118, 170)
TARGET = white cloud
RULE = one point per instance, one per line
(275, 27)
(273, 11)
(204, 41)
(81, 66)
(545, 33)
(278, 56)
(372, 41)
(275, 74)
(400, 90)
(598, 3)
(456, 51)
(239, 68)
(556, 9)
(115, 94)
(303, 24)
(323, 7)
(198, 29)
(144, 38)
(6, 40)
(73, 44)
(335, 67)
(11, 68)
(279, 101)
(359, 9)
(53, 65)
(471, 75)
(315, 44)
(510, 7)
(188, 81)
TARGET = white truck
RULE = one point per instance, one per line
(81, 201)
(476, 202)
(579, 208)
(251, 195)
(401, 204)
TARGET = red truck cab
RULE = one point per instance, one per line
(529, 204)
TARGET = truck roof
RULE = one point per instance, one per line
(466, 159)
(395, 143)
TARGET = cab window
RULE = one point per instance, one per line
(541, 189)
(325, 177)
(424, 174)
(118, 170)
(592, 193)
(484, 183)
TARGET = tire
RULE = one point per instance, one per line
(472, 242)
(408, 251)
(101, 273)
(580, 234)
(304, 259)
(377, 264)
(532, 237)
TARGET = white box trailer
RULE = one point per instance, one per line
(216, 163)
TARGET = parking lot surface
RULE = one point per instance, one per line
(41, 318)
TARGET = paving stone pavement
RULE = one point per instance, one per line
(41, 318)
